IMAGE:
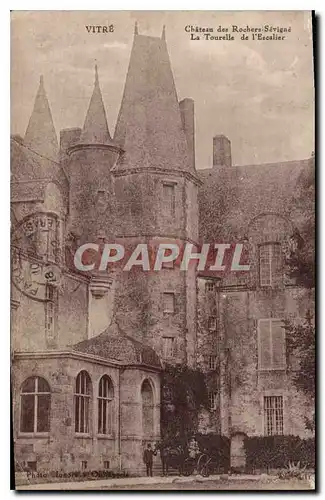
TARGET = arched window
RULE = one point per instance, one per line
(147, 408)
(82, 402)
(105, 405)
(35, 402)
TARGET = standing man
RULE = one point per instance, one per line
(148, 458)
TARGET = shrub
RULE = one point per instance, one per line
(274, 452)
(293, 471)
(217, 447)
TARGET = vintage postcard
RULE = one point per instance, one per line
(162, 250)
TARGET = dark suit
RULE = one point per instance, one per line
(148, 459)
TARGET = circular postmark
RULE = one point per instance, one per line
(35, 255)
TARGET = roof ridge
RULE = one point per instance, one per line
(266, 164)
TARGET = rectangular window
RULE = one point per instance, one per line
(32, 466)
(43, 412)
(84, 465)
(27, 413)
(213, 399)
(168, 265)
(271, 344)
(210, 286)
(270, 263)
(212, 323)
(105, 416)
(273, 415)
(213, 362)
(168, 347)
(106, 464)
(169, 302)
(53, 243)
(50, 311)
(169, 199)
(48, 240)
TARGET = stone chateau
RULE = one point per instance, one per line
(88, 348)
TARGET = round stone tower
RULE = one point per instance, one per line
(89, 165)
(156, 195)
(90, 158)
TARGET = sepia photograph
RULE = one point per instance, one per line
(162, 218)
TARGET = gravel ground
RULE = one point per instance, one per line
(222, 485)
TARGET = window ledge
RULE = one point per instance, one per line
(283, 369)
(105, 436)
(271, 287)
(82, 436)
(34, 435)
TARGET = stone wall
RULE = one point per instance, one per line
(139, 295)
(28, 318)
(61, 448)
(242, 384)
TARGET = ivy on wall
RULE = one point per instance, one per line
(184, 395)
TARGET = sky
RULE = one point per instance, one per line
(258, 93)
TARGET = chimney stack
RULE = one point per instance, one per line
(221, 151)
(186, 107)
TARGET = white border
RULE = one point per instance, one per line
(4, 196)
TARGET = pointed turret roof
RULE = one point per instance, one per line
(95, 130)
(149, 127)
(40, 134)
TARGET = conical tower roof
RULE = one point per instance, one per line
(149, 126)
(40, 134)
(95, 130)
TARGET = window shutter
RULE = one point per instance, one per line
(277, 273)
(264, 265)
(264, 344)
(278, 344)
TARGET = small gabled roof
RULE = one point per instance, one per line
(40, 135)
(95, 129)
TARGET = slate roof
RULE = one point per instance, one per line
(115, 344)
(95, 130)
(31, 172)
(149, 126)
(231, 197)
(40, 134)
